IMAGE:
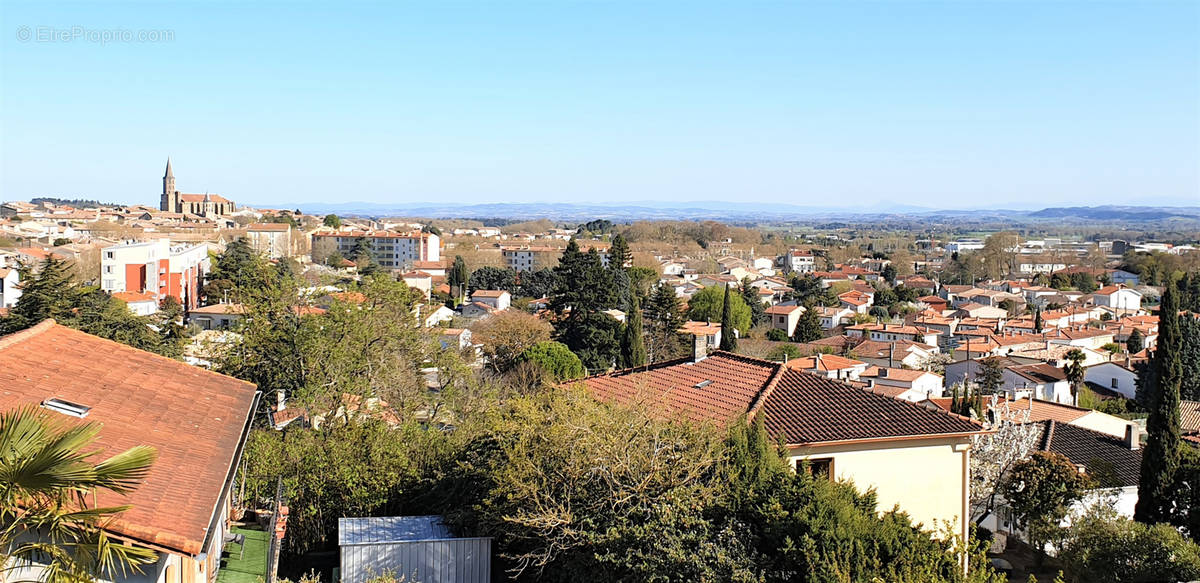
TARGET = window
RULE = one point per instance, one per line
(820, 467)
(1114, 382)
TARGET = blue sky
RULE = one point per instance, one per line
(948, 104)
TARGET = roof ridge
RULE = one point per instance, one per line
(761, 398)
(633, 369)
(744, 358)
(1048, 436)
(23, 335)
(48, 323)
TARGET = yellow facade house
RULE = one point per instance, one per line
(914, 457)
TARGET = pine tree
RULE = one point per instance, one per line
(808, 327)
(1161, 457)
(633, 346)
(619, 254)
(728, 333)
(50, 292)
(758, 313)
(663, 320)
(582, 290)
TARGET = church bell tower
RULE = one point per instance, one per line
(168, 193)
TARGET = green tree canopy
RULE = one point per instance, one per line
(556, 359)
(707, 305)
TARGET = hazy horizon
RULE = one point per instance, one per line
(946, 106)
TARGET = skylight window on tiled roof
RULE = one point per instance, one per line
(66, 407)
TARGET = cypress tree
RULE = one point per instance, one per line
(1037, 321)
(1135, 343)
(633, 346)
(458, 275)
(728, 338)
(1161, 458)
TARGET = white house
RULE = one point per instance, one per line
(829, 366)
(916, 385)
(785, 318)
(797, 261)
(1113, 376)
(1040, 380)
(10, 292)
(1118, 297)
(498, 300)
(140, 303)
(833, 317)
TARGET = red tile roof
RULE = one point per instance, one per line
(806, 409)
(134, 297)
(733, 384)
(193, 417)
(488, 293)
(278, 227)
(783, 309)
(201, 197)
(803, 407)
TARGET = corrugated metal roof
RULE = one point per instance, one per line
(387, 529)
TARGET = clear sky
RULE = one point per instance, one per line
(947, 104)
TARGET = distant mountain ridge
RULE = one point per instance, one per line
(732, 211)
(1114, 212)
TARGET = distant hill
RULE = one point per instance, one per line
(740, 212)
(1115, 213)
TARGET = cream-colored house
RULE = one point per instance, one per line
(843, 431)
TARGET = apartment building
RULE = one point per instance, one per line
(392, 250)
(535, 257)
(158, 267)
(271, 239)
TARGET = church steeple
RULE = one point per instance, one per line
(167, 202)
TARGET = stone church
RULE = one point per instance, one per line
(204, 205)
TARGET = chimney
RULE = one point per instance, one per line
(1132, 437)
(699, 347)
(883, 373)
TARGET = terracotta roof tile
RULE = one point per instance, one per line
(804, 407)
(733, 382)
(807, 408)
(193, 417)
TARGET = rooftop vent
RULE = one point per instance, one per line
(66, 407)
(702, 384)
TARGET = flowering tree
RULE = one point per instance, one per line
(994, 454)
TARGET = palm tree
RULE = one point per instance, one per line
(1074, 371)
(47, 478)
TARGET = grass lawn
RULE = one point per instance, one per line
(252, 566)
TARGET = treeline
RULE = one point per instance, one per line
(74, 202)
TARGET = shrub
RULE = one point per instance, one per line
(1102, 547)
(777, 335)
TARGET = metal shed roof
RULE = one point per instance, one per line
(389, 529)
